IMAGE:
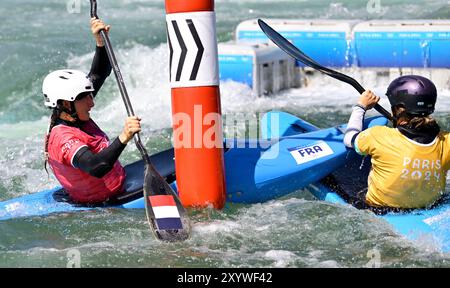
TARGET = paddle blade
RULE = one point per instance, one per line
(297, 54)
(165, 213)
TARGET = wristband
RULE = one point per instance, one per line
(360, 106)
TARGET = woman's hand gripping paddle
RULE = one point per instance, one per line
(165, 213)
(297, 54)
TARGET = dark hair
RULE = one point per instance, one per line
(83, 95)
(402, 118)
(53, 118)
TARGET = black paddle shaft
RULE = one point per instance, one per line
(297, 54)
(122, 88)
(154, 183)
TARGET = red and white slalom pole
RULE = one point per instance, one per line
(194, 80)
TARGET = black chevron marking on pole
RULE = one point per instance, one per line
(183, 50)
(171, 53)
(201, 49)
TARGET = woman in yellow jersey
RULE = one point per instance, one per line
(409, 161)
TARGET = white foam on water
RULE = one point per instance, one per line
(328, 264)
(282, 258)
(146, 77)
(23, 130)
(215, 227)
(427, 243)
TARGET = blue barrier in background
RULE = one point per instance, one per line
(398, 46)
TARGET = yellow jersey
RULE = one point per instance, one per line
(405, 173)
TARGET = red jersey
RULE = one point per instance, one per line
(64, 143)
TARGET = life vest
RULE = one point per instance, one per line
(64, 142)
(405, 173)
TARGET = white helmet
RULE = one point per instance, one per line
(65, 85)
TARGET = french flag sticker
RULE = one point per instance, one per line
(166, 212)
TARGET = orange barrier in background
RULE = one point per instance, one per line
(194, 79)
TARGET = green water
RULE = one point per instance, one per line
(295, 231)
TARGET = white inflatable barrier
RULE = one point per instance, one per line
(384, 47)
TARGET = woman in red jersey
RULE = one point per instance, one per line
(79, 152)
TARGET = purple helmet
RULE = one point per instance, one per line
(418, 94)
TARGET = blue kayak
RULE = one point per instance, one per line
(257, 170)
(351, 178)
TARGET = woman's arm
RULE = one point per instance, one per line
(101, 67)
(99, 164)
(355, 124)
